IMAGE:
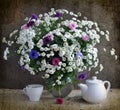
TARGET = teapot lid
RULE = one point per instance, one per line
(94, 80)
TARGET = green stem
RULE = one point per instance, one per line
(59, 91)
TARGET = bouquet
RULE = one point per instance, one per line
(60, 44)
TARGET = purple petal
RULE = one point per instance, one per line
(48, 38)
(30, 24)
(58, 14)
(34, 16)
(79, 55)
(82, 76)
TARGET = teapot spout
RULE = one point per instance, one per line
(83, 87)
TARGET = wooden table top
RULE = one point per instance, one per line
(11, 99)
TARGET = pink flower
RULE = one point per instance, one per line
(56, 61)
(72, 25)
(25, 26)
(85, 38)
(59, 101)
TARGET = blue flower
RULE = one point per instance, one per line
(82, 76)
(33, 54)
(79, 55)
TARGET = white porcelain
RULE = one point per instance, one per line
(94, 90)
(33, 91)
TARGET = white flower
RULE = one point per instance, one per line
(107, 32)
(69, 69)
(107, 37)
(26, 19)
(59, 77)
(6, 52)
(53, 84)
(102, 33)
(116, 57)
(101, 67)
(61, 52)
(32, 72)
(37, 23)
(48, 55)
(104, 49)
(112, 51)
(43, 54)
(40, 43)
(18, 52)
(63, 58)
(59, 82)
(14, 32)
(52, 53)
(4, 40)
(96, 72)
(47, 75)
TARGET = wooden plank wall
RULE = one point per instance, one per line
(105, 12)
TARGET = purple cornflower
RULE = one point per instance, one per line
(48, 38)
(58, 14)
(33, 54)
(31, 22)
(34, 16)
(82, 76)
(79, 55)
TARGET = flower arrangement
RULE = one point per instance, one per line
(60, 43)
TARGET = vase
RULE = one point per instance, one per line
(63, 92)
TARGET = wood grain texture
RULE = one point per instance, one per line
(16, 100)
(13, 12)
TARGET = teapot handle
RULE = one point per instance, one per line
(109, 85)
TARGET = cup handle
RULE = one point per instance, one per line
(24, 91)
(108, 87)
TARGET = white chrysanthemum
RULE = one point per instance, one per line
(6, 52)
(47, 75)
(104, 49)
(112, 51)
(4, 40)
(101, 67)
(107, 37)
(61, 52)
(96, 72)
(116, 57)
(40, 43)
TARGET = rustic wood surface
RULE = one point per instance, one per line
(16, 100)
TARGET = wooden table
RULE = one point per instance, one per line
(16, 100)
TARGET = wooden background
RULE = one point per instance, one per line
(13, 12)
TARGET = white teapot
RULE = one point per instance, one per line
(94, 90)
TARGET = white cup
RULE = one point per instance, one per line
(33, 91)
